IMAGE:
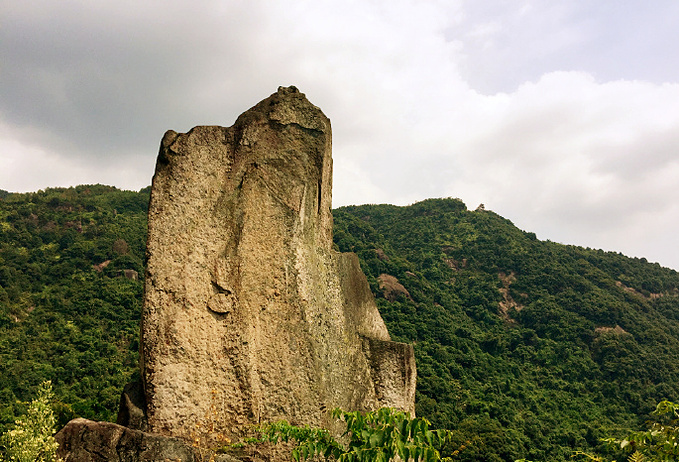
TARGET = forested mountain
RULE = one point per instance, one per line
(67, 311)
(525, 348)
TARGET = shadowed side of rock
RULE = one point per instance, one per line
(132, 407)
(83, 440)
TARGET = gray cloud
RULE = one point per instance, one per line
(579, 146)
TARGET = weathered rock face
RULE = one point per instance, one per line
(249, 315)
(83, 440)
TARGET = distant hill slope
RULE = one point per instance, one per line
(535, 347)
(525, 348)
(67, 311)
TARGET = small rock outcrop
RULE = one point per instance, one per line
(391, 288)
(249, 315)
(83, 440)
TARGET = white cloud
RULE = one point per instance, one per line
(582, 162)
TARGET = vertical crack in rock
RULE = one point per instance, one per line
(248, 312)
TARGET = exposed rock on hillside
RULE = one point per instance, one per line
(391, 288)
(248, 311)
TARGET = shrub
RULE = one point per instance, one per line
(379, 436)
(31, 439)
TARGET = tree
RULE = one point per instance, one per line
(660, 443)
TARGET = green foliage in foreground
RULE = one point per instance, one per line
(660, 443)
(31, 438)
(379, 436)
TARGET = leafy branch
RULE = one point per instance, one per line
(661, 441)
(378, 436)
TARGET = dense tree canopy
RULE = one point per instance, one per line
(525, 348)
(67, 311)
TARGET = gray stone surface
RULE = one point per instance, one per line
(249, 315)
(83, 440)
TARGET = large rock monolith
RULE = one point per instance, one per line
(249, 314)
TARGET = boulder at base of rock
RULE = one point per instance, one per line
(83, 440)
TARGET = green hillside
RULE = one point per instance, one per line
(525, 348)
(66, 314)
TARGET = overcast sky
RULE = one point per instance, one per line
(560, 115)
